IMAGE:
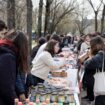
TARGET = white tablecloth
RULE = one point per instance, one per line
(72, 76)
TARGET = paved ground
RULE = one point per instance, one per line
(84, 102)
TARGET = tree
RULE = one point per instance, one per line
(96, 11)
(29, 21)
(103, 19)
(11, 14)
(47, 15)
(60, 9)
(3, 10)
(20, 15)
(40, 17)
(81, 21)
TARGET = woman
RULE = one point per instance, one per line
(13, 56)
(95, 62)
(86, 44)
(45, 63)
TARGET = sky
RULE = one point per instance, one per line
(91, 15)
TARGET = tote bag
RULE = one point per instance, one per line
(99, 85)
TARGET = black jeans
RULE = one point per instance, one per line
(100, 100)
(89, 85)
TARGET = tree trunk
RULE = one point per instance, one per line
(11, 14)
(29, 21)
(102, 20)
(96, 22)
(47, 17)
(40, 18)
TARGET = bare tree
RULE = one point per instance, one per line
(59, 11)
(29, 21)
(11, 14)
(80, 20)
(40, 17)
(20, 14)
(47, 15)
(103, 19)
(3, 10)
(96, 11)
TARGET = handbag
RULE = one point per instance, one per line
(99, 85)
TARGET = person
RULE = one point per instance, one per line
(93, 63)
(24, 80)
(67, 40)
(41, 41)
(3, 28)
(45, 62)
(41, 49)
(12, 56)
(86, 44)
(81, 40)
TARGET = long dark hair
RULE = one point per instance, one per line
(21, 42)
(50, 47)
(96, 44)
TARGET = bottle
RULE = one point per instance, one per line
(43, 97)
(27, 101)
(61, 97)
(31, 103)
(48, 101)
(19, 103)
(43, 103)
(66, 102)
(53, 97)
(16, 101)
(54, 103)
(37, 102)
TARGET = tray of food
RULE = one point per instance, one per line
(62, 73)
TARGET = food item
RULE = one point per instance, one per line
(58, 82)
(59, 74)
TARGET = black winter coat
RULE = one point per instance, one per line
(7, 75)
(94, 63)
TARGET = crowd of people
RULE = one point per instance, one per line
(16, 78)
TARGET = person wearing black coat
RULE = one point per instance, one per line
(13, 55)
(41, 41)
(8, 70)
(95, 62)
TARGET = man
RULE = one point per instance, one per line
(3, 28)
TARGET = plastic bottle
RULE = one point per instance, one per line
(27, 101)
(48, 101)
(31, 103)
(37, 102)
(43, 103)
(16, 101)
(54, 103)
(66, 102)
(19, 103)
